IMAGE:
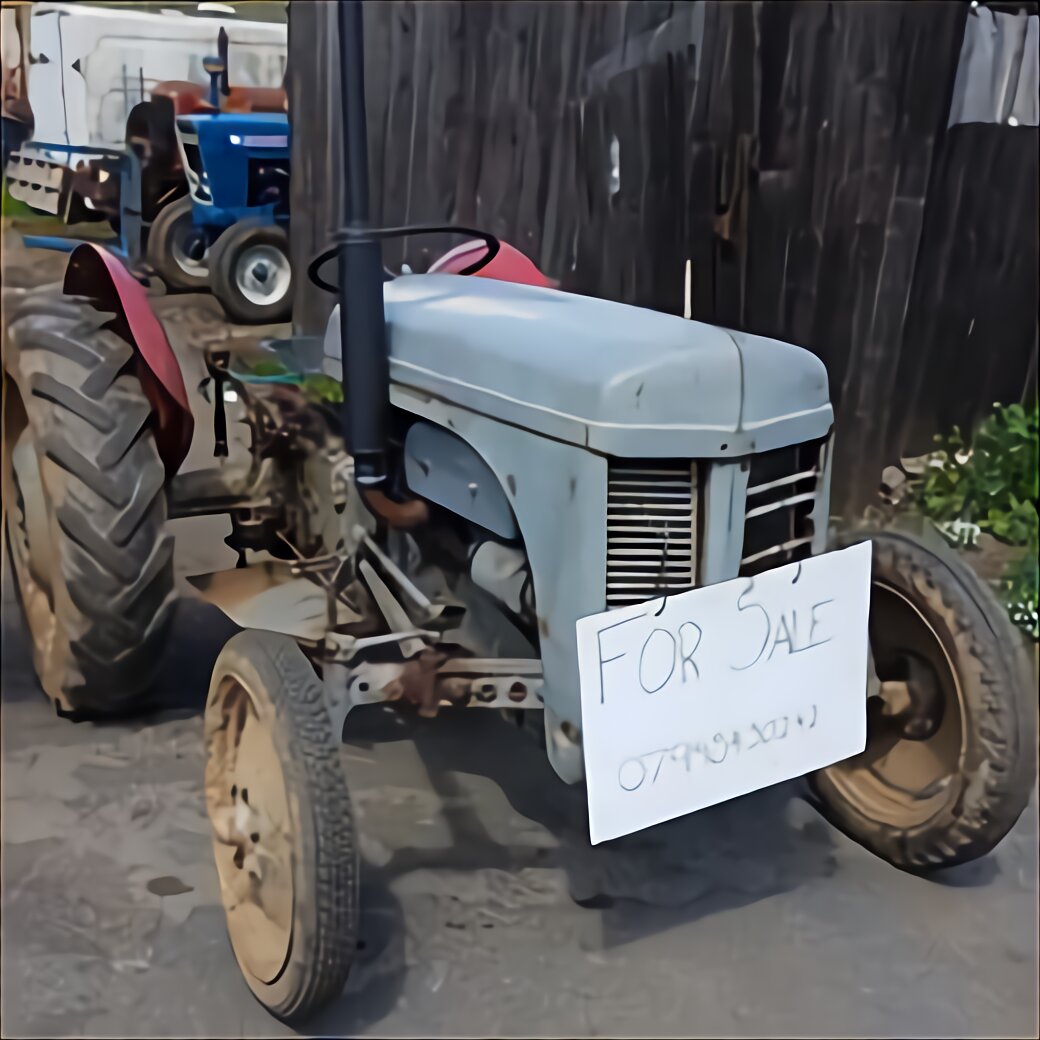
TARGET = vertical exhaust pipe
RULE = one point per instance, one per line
(366, 369)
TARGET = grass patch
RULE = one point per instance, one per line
(14, 208)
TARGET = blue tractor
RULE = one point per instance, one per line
(228, 234)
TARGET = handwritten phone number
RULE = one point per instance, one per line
(644, 770)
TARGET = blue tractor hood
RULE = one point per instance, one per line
(220, 151)
(255, 129)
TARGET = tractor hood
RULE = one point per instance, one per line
(248, 129)
(618, 379)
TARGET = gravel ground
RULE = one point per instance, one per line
(484, 910)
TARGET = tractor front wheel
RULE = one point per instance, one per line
(949, 762)
(178, 250)
(251, 273)
(283, 833)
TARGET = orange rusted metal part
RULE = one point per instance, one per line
(256, 99)
(417, 684)
(185, 96)
(190, 97)
(402, 515)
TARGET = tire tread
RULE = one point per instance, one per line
(998, 764)
(326, 896)
(101, 469)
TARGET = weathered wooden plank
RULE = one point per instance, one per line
(797, 153)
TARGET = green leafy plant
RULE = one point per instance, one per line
(316, 386)
(270, 368)
(1021, 587)
(320, 387)
(991, 484)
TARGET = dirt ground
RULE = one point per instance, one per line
(484, 909)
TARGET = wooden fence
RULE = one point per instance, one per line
(798, 154)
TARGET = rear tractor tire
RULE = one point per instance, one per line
(251, 274)
(949, 763)
(283, 832)
(84, 507)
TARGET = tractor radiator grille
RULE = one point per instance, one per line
(651, 529)
(781, 494)
(191, 157)
(196, 173)
(194, 157)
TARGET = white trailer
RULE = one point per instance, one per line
(88, 66)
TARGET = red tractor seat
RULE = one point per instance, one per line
(509, 264)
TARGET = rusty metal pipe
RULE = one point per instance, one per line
(412, 512)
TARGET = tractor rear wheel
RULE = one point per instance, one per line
(283, 832)
(84, 507)
(949, 762)
(178, 250)
(251, 274)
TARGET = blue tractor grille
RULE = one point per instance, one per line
(194, 170)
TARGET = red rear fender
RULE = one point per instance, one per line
(96, 273)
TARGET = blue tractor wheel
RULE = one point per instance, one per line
(250, 273)
(178, 250)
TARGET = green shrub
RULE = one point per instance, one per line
(991, 484)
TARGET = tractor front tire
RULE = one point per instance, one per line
(251, 274)
(950, 758)
(84, 507)
(283, 831)
(169, 249)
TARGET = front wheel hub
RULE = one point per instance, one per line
(195, 247)
(913, 702)
(190, 249)
(263, 274)
(249, 810)
(914, 725)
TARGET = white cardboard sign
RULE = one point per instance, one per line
(700, 697)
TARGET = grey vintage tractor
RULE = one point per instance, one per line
(438, 492)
